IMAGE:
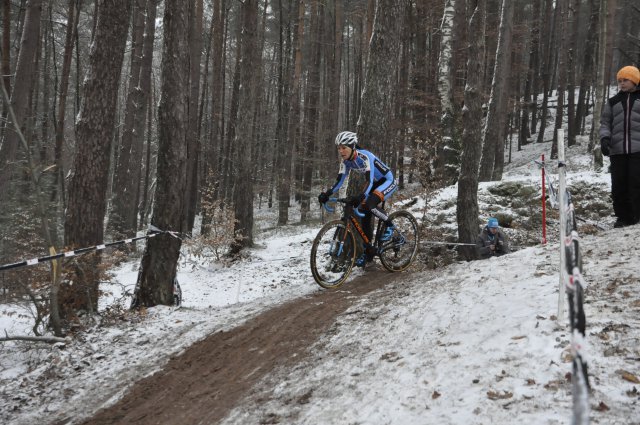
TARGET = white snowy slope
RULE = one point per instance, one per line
(475, 343)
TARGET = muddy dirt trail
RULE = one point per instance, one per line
(201, 385)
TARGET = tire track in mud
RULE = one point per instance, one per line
(202, 384)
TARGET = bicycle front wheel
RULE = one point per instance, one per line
(333, 254)
(399, 252)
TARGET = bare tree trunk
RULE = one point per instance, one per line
(574, 21)
(213, 149)
(22, 86)
(419, 98)
(562, 73)
(143, 106)
(493, 138)
(193, 134)
(311, 106)
(159, 262)
(58, 187)
(377, 99)
(281, 100)
(229, 147)
(282, 162)
(547, 65)
(124, 192)
(146, 181)
(250, 72)
(96, 126)
(467, 205)
(586, 76)
(6, 58)
(601, 76)
(6, 47)
(42, 96)
(540, 57)
(402, 106)
(610, 16)
(336, 67)
(529, 97)
(293, 130)
(329, 124)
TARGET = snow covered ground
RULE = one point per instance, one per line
(471, 343)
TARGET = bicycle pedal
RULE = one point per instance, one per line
(399, 240)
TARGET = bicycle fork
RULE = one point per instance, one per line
(337, 244)
(340, 245)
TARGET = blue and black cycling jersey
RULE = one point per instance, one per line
(379, 174)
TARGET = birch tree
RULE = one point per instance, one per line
(445, 90)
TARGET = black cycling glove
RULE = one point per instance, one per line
(356, 200)
(605, 145)
(323, 197)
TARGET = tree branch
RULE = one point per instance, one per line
(47, 339)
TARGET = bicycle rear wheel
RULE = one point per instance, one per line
(399, 252)
(332, 254)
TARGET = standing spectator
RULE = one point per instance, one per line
(492, 241)
(620, 139)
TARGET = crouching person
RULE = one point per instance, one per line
(492, 241)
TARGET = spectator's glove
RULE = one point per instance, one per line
(355, 200)
(323, 198)
(605, 145)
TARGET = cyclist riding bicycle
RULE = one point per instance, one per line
(381, 185)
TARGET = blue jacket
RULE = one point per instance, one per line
(366, 163)
(486, 239)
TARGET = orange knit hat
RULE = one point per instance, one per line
(631, 73)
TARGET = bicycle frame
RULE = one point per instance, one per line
(349, 217)
(334, 249)
(357, 226)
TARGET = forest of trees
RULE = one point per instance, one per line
(118, 114)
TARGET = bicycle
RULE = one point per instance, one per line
(334, 249)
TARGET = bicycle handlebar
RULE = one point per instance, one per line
(356, 211)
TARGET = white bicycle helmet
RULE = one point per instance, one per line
(347, 138)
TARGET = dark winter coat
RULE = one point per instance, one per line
(620, 123)
(486, 239)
